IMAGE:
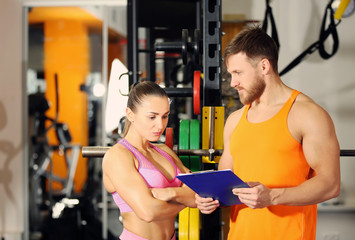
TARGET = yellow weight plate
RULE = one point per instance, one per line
(194, 232)
(184, 218)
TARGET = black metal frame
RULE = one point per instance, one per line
(208, 21)
(212, 53)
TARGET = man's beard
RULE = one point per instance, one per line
(248, 96)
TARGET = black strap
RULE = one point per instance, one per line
(324, 34)
(269, 15)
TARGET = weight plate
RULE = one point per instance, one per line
(184, 45)
(184, 143)
(195, 165)
(194, 222)
(169, 137)
(195, 161)
(197, 92)
(196, 46)
(184, 218)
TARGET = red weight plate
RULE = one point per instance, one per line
(196, 97)
(169, 137)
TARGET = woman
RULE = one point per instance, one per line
(142, 176)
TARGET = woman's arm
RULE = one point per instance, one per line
(181, 195)
(120, 174)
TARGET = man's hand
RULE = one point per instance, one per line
(206, 205)
(257, 196)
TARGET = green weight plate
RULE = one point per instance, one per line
(195, 161)
(184, 136)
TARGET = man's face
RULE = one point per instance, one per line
(246, 77)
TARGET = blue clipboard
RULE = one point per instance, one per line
(215, 184)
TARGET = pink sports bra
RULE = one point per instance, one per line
(152, 176)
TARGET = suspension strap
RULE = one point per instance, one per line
(319, 45)
(269, 15)
(324, 33)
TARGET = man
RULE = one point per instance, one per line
(281, 143)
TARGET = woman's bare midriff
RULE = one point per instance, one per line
(157, 230)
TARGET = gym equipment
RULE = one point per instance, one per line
(159, 17)
(212, 138)
(212, 133)
(194, 92)
(169, 137)
(97, 151)
(184, 47)
(189, 218)
(319, 44)
(197, 93)
(270, 16)
(184, 137)
(195, 161)
(344, 9)
(116, 93)
(212, 60)
(40, 160)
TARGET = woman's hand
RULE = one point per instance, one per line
(163, 194)
(206, 205)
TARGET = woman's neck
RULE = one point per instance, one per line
(137, 141)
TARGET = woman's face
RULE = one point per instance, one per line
(151, 117)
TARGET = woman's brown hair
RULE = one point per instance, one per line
(137, 95)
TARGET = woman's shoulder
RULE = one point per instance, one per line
(117, 153)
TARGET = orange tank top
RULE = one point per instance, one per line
(266, 152)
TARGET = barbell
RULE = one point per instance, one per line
(99, 151)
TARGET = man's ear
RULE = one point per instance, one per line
(265, 66)
(129, 114)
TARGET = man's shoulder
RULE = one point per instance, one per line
(306, 104)
(306, 109)
(234, 118)
(236, 115)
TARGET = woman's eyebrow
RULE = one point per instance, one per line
(155, 113)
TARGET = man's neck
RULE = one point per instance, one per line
(276, 92)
